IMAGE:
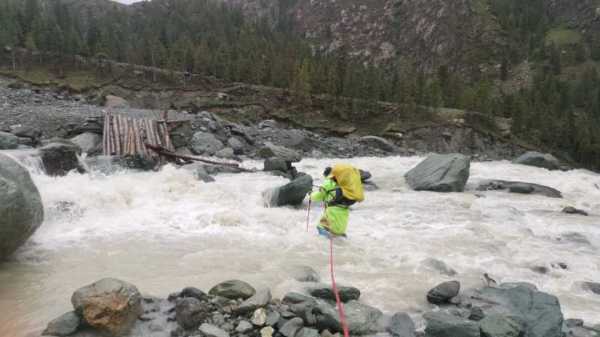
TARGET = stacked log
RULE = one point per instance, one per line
(126, 136)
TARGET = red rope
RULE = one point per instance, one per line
(340, 305)
(308, 213)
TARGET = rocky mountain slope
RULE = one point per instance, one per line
(462, 34)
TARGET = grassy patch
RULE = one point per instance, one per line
(563, 37)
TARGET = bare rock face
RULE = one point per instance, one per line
(108, 305)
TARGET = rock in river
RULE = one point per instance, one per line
(21, 209)
(440, 173)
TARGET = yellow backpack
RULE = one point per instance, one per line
(348, 178)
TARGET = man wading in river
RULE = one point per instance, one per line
(340, 190)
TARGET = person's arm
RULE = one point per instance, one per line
(324, 191)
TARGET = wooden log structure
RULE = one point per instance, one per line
(148, 138)
(127, 136)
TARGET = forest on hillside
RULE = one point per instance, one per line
(559, 109)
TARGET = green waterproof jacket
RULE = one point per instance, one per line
(334, 218)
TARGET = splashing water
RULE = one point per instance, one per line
(164, 231)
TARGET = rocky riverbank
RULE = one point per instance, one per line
(234, 308)
(34, 113)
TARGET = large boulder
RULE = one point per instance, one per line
(8, 141)
(537, 159)
(190, 312)
(204, 143)
(361, 318)
(233, 289)
(88, 142)
(501, 326)
(440, 324)
(539, 313)
(519, 187)
(21, 209)
(276, 164)
(443, 293)
(401, 325)
(109, 305)
(440, 173)
(270, 150)
(26, 132)
(60, 157)
(325, 291)
(292, 193)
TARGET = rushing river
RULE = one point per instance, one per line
(164, 231)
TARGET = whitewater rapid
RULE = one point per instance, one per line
(165, 230)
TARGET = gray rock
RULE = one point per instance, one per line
(244, 326)
(441, 324)
(573, 322)
(59, 158)
(8, 141)
(258, 300)
(88, 142)
(268, 123)
(442, 293)
(361, 318)
(21, 208)
(193, 292)
(294, 298)
(291, 194)
(226, 153)
(200, 172)
(210, 330)
(379, 143)
(26, 132)
(326, 292)
(574, 237)
(259, 317)
(270, 150)
(519, 187)
(365, 175)
(190, 312)
(308, 332)
(204, 143)
(181, 135)
(401, 325)
(501, 326)
(476, 314)
(573, 210)
(537, 159)
(64, 325)
(594, 287)
(439, 266)
(272, 318)
(539, 312)
(108, 305)
(276, 164)
(291, 327)
(236, 144)
(440, 173)
(305, 274)
(233, 289)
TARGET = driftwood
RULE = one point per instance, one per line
(164, 152)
